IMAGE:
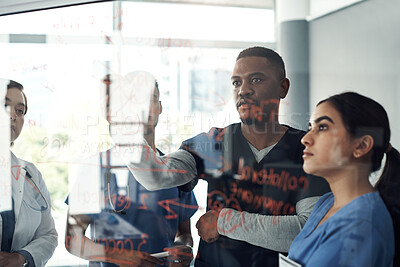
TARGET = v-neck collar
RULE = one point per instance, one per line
(278, 152)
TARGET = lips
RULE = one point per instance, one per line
(244, 103)
(12, 128)
(245, 106)
(307, 154)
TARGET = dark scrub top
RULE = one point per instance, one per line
(271, 187)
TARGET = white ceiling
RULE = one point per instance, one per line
(267, 4)
(17, 6)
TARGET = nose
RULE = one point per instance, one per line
(307, 139)
(13, 115)
(245, 90)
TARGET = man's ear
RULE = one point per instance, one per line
(284, 84)
(160, 106)
(365, 144)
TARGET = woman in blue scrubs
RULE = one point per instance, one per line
(350, 226)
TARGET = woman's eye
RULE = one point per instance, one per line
(20, 112)
(322, 127)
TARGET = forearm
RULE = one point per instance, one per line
(267, 231)
(81, 246)
(161, 172)
(87, 249)
(77, 243)
(183, 244)
(183, 234)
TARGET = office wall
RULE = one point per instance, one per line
(357, 49)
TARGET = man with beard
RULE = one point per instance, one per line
(258, 194)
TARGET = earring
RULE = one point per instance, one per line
(357, 155)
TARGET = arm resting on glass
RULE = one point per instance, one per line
(267, 231)
(79, 245)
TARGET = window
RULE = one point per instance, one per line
(62, 55)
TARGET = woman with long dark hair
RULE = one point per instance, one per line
(348, 136)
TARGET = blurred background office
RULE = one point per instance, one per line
(60, 50)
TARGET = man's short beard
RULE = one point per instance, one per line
(256, 125)
(255, 116)
(248, 121)
(253, 121)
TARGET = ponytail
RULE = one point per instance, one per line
(388, 186)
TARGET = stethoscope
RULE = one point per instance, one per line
(107, 177)
(36, 187)
(113, 210)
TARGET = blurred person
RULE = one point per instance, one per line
(27, 232)
(258, 195)
(350, 226)
(141, 222)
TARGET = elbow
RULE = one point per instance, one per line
(166, 183)
(151, 186)
(150, 182)
(55, 242)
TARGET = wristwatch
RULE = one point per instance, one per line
(26, 263)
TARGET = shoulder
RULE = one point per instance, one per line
(365, 216)
(373, 210)
(366, 207)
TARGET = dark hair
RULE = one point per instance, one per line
(269, 54)
(14, 84)
(158, 90)
(362, 115)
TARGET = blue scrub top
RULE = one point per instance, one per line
(151, 220)
(359, 234)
